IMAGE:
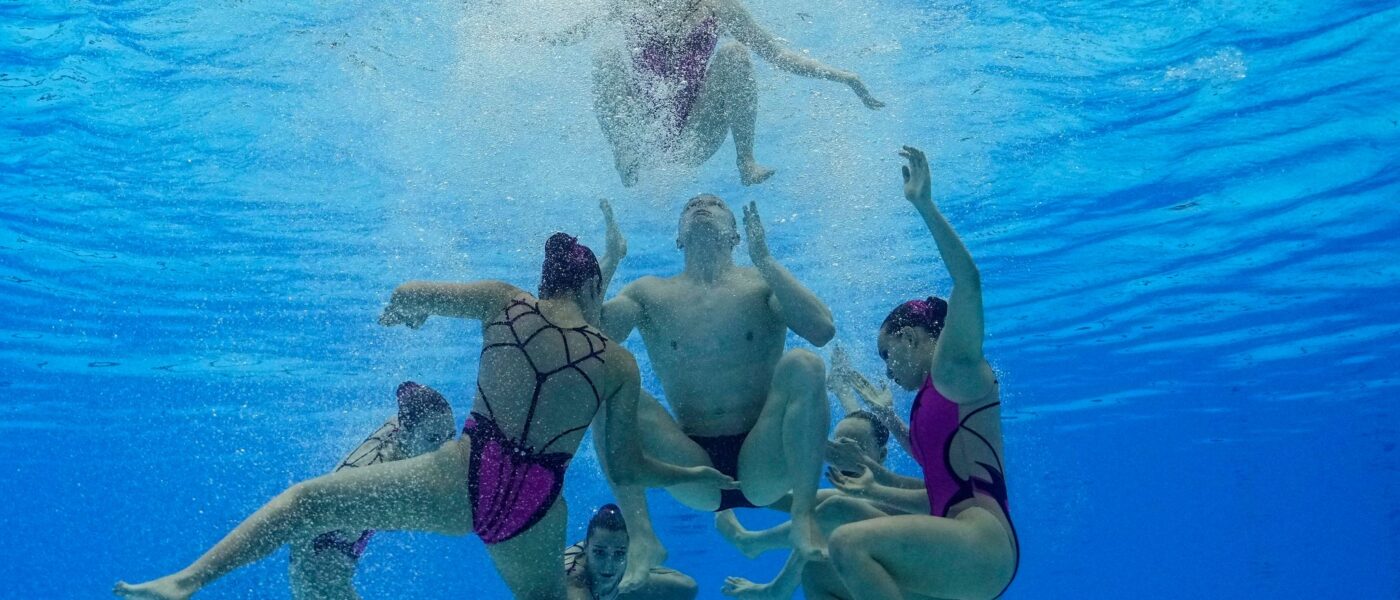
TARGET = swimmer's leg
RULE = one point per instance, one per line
(786, 448)
(325, 575)
(529, 562)
(834, 511)
(903, 556)
(661, 438)
(613, 99)
(426, 493)
(727, 103)
(752, 543)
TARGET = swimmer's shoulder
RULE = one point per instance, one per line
(647, 288)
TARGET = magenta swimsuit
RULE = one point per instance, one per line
(511, 484)
(933, 427)
(682, 66)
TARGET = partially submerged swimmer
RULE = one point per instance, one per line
(673, 87)
(323, 568)
(596, 565)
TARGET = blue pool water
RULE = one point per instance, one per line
(1184, 212)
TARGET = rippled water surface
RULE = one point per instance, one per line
(1184, 213)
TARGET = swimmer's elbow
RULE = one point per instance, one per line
(821, 333)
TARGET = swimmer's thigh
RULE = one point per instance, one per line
(529, 562)
(930, 557)
(729, 87)
(786, 446)
(424, 493)
(663, 439)
(820, 582)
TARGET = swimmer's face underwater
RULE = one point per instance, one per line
(907, 353)
(863, 433)
(706, 219)
(606, 550)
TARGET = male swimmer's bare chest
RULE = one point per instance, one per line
(713, 347)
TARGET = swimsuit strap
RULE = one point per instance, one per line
(571, 363)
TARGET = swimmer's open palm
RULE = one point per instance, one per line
(855, 485)
(917, 181)
(844, 454)
(617, 244)
(711, 476)
(753, 228)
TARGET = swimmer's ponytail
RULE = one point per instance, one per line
(567, 266)
(927, 314)
(608, 517)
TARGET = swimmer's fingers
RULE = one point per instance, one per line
(712, 476)
(617, 244)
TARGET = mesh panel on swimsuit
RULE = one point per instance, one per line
(512, 485)
(370, 452)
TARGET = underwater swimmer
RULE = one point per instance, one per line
(715, 334)
(545, 372)
(958, 541)
(323, 568)
(595, 566)
(672, 86)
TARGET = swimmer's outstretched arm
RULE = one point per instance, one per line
(627, 463)
(415, 301)
(740, 24)
(959, 366)
(805, 313)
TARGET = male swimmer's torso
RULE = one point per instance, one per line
(713, 345)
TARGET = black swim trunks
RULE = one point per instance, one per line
(724, 454)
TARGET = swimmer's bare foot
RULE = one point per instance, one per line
(807, 539)
(738, 587)
(734, 533)
(751, 173)
(643, 554)
(165, 588)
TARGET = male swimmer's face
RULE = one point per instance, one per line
(906, 360)
(707, 218)
(863, 433)
(428, 435)
(607, 558)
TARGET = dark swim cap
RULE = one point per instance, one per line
(567, 265)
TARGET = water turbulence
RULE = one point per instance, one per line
(1179, 216)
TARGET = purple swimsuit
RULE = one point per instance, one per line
(511, 484)
(933, 427)
(678, 70)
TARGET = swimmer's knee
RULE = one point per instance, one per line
(845, 545)
(733, 54)
(803, 365)
(686, 588)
